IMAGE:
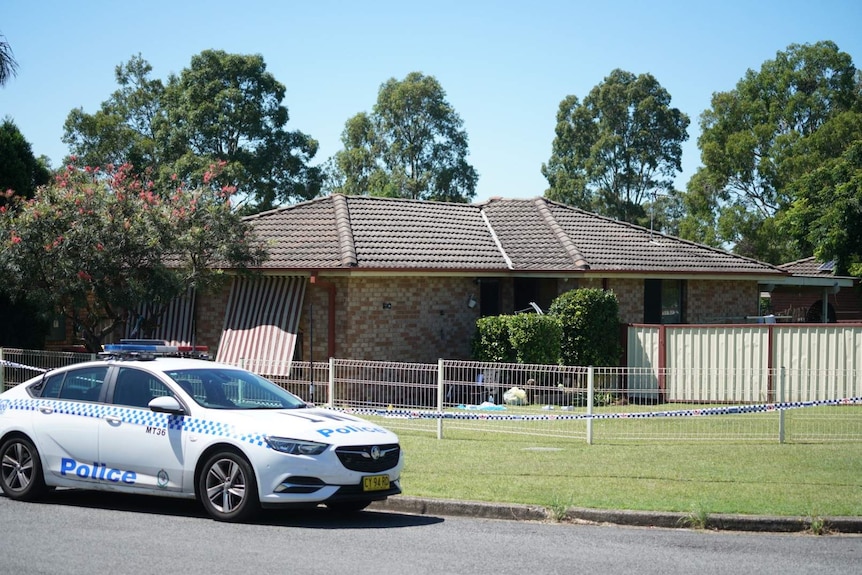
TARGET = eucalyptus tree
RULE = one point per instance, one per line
(412, 145)
(756, 142)
(224, 108)
(124, 129)
(825, 216)
(617, 150)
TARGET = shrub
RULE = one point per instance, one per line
(521, 338)
(492, 342)
(535, 338)
(589, 319)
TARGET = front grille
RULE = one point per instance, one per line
(358, 457)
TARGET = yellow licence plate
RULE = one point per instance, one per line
(375, 482)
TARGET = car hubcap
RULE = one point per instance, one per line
(225, 485)
(17, 467)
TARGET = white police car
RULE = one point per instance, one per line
(143, 422)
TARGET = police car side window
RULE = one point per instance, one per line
(79, 384)
(51, 385)
(137, 388)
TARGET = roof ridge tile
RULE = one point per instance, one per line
(346, 245)
(568, 245)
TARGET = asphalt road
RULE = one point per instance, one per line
(94, 533)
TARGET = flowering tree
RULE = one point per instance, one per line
(97, 243)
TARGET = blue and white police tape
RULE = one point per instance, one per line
(12, 364)
(694, 412)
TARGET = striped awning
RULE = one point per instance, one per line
(261, 323)
(176, 324)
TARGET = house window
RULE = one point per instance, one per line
(664, 301)
(57, 329)
(540, 291)
(489, 297)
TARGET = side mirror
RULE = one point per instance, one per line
(166, 404)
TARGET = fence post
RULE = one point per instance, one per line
(2, 372)
(331, 391)
(440, 372)
(780, 410)
(590, 399)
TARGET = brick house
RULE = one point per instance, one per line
(404, 280)
(813, 285)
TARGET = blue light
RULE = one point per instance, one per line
(140, 348)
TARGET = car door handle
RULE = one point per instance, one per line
(46, 410)
(113, 419)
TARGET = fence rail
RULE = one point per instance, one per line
(581, 403)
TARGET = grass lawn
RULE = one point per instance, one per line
(794, 479)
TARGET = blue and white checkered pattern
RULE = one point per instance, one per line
(134, 416)
(706, 411)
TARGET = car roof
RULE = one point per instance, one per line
(159, 364)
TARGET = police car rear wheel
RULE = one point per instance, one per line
(227, 487)
(21, 470)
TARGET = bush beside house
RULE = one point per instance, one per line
(582, 328)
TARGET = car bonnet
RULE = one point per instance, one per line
(312, 424)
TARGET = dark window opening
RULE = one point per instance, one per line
(489, 297)
(664, 301)
(540, 291)
(815, 313)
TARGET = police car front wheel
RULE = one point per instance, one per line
(227, 487)
(21, 470)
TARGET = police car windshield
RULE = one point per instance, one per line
(219, 388)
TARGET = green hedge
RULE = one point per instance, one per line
(521, 338)
(581, 328)
(590, 327)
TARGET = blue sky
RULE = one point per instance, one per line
(505, 66)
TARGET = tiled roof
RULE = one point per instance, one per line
(301, 236)
(611, 245)
(809, 267)
(536, 235)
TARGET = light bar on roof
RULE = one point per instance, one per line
(140, 348)
(150, 348)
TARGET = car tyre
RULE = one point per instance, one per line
(347, 506)
(21, 475)
(227, 487)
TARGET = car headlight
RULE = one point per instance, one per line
(296, 446)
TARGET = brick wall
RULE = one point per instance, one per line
(421, 319)
(714, 301)
(314, 321)
(209, 317)
(415, 319)
(708, 301)
(630, 296)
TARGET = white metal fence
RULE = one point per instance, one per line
(642, 404)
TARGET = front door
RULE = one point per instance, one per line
(144, 447)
